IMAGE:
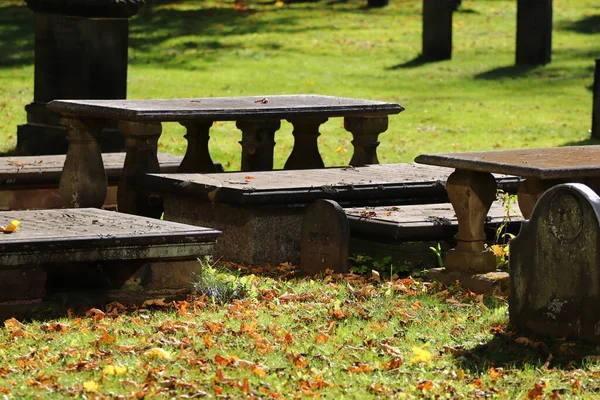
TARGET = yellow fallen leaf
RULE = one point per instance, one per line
(157, 352)
(13, 226)
(90, 386)
(114, 370)
(421, 355)
(279, 3)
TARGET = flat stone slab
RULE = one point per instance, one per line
(84, 235)
(224, 108)
(420, 222)
(546, 163)
(46, 170)
(387, 183)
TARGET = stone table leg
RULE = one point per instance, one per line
(529, 192)
(197, 157)
(471, 194)
(305, 154)
(365, 131)
(258, 141)
(83, 180)
(141, 144)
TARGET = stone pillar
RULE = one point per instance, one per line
(437, 29)
(596, 105)
(534, 32)
(80, 53)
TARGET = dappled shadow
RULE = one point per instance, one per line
(511, 71)
(588, 25)
(504, 352)
(416, 62)
(467, 11)
(582, 142)
(16, 35)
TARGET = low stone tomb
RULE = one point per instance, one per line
(95, 255)
(31, 183)
(555, 265)
(330, 234)
(261, 213)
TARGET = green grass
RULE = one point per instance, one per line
(476, 101)
(335, 337)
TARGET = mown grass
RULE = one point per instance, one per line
(476, 101)
(335, 336)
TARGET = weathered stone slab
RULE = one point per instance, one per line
(261, 214)
(87, 235)
(325, 238)
(31, 182)
(555, 265)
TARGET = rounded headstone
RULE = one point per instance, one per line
(325, 237)
(87, 8)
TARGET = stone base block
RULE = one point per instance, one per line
(250, 235)
(496, 282)
(22, 284)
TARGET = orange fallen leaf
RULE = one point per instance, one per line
(95, 314)
(537, 391)
(359, 367)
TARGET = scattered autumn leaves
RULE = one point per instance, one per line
(298, 337)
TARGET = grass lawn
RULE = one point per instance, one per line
(476, 101)
(329, 336)
(286, 337)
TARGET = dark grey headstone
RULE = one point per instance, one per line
(534, 32)
(325, 237)
(555, 265)
(80, 53)
(437, 29)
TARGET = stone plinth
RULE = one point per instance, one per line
(555, 266)
(80, 53)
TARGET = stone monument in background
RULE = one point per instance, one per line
(80, 53)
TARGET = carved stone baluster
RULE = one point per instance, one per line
(83, 180)
(365, 131)
(305, 154)
(471, 194)
(258, 141)
(197, 157)
(529, 192)
(141, 144)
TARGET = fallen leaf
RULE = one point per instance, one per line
(359, 367)
(10, 228)
(421, 355)
(155, 302)
(90, 386)
(114, 370)
(95, 314)
(391, 350)
(157, 352)
(537, 391)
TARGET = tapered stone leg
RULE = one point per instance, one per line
(365, 131)
(83, 180)
(141, 144)
(305, 154)
(471, 194)
(258, 141)
(197, 157)
(529, 192)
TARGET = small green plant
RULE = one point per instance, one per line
(363, 264)
(437, 252)
(221, 285)
(360, 263)
(501, 240)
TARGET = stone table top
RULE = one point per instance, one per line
(383, 181)
(88, 234)
(225, 108)
(543, 163)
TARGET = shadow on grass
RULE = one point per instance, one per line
(504, 352)
(512, 71)
(416, 62)
(588, 25)
(16, 35)
(583, 142)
